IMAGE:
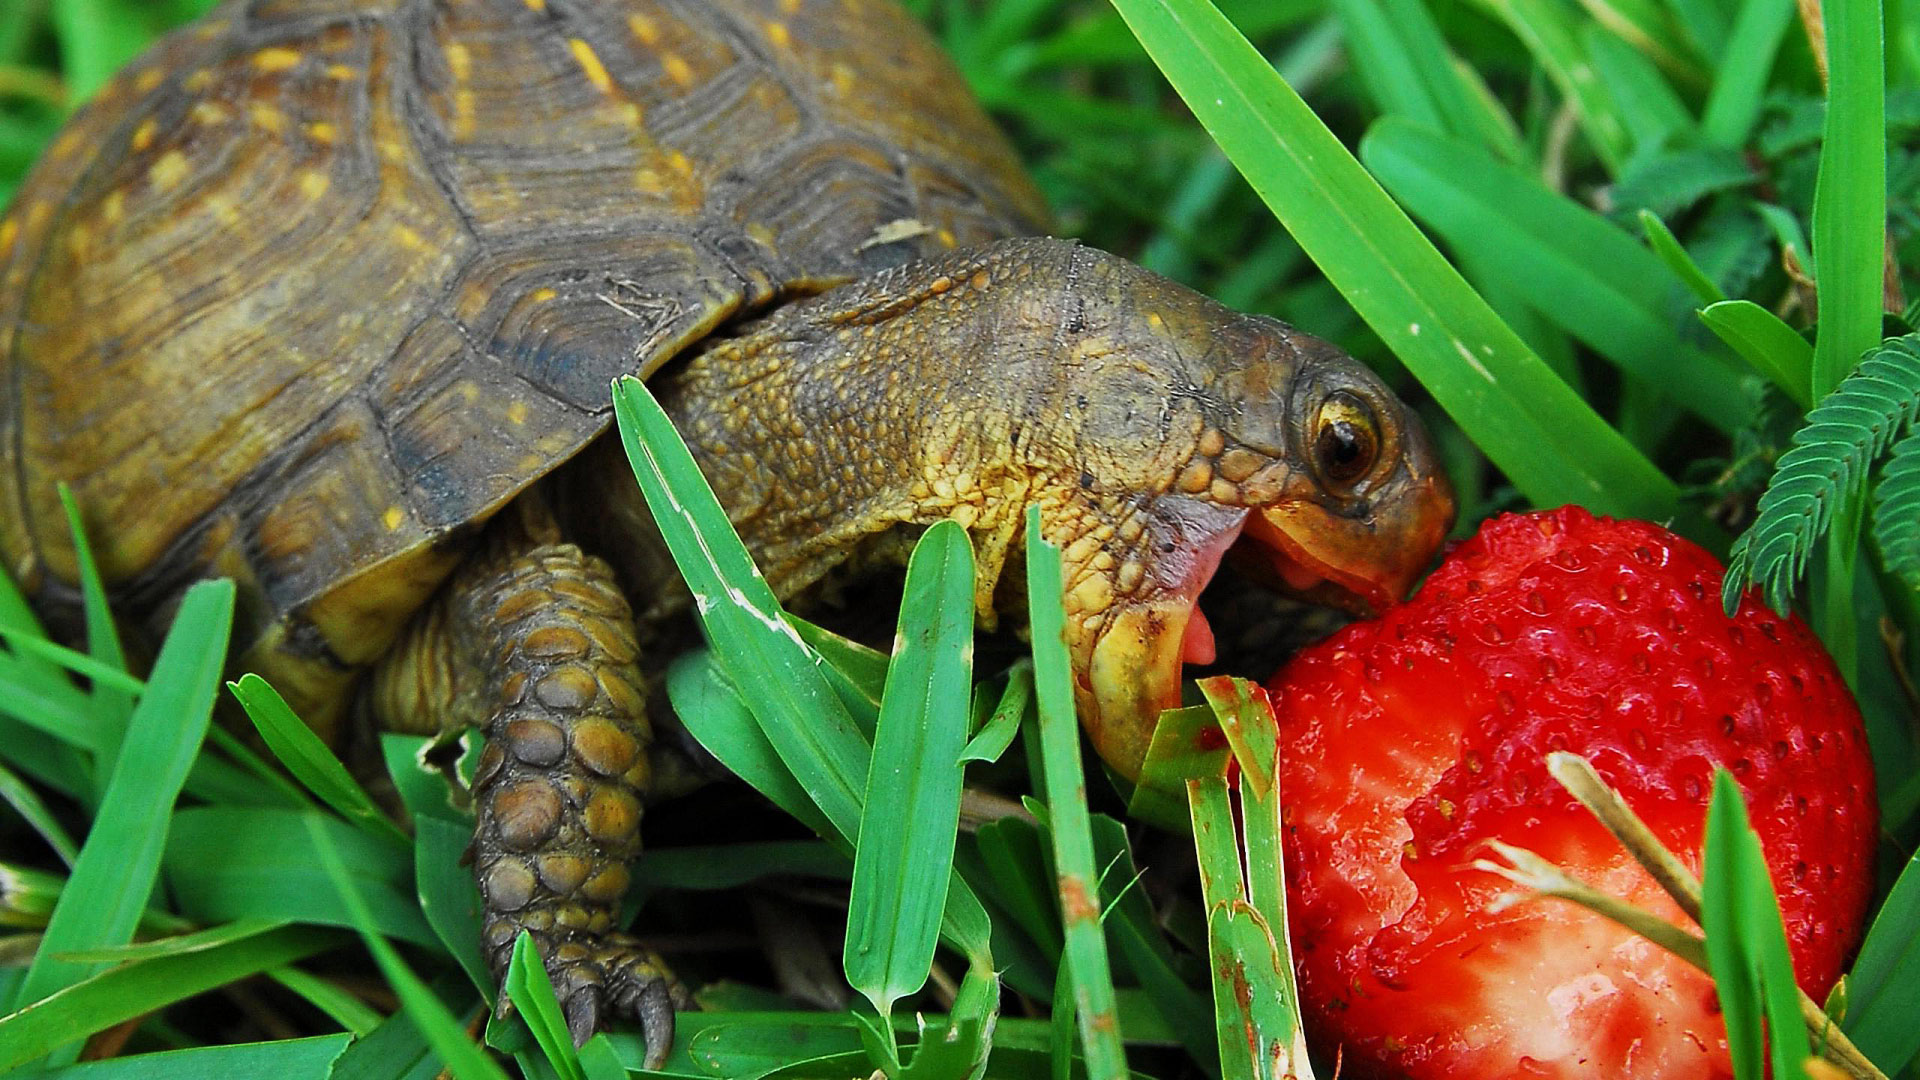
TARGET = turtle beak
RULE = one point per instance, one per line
(1361, 565)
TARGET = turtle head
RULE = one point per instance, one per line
(1202, 434)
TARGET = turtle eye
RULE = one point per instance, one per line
(1346, 439)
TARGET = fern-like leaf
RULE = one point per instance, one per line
(1822, 470)
(1896, 511)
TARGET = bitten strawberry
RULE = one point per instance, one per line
(1409, 740)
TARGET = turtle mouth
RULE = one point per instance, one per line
(1139, 661)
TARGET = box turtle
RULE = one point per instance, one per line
(324, 296)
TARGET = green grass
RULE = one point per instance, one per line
(1557, 227)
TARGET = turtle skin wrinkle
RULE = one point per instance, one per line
(324, 296)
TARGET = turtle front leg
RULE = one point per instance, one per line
(535, 640)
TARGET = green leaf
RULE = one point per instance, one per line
(1086, 947)
(1771, 346)
(718, 718)
(1579, 270)
(1896, 512)
(1410, 73)
(1746, 942)
(1818, 478)
(1669, 182)
(443, 1031)
(1884, 985)
(34, 811)
(120, 860)
(135, 989)
(1524, 417)
(901, 868)
(309, 759)
(1741, 78)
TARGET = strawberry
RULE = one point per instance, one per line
(1409, 740)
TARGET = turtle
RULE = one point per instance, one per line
(324, 297)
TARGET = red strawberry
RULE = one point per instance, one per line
(1410, 739)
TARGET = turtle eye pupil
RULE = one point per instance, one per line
(1346, 443)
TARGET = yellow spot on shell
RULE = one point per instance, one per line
(208, 113)
(9, 232)
(1154, 320)
(393, 518)
(630, 114)
(150, 78)
(37, 215)
(777, 33)
(842, 78)
(79, 239)
(143, 135)
(946, 238)
(789, 6)
(341, 73)
(313, 183)
(536, 5)
(224, 209)
(517, 412)
(268, 117)
(111, 208)
(760, 233)
(276, 59)
(532, 463)
(197, 81)
(541, 296)
(589, 62)
(322, 132)
(463, 114)
(680, 162)
(644, 28)
(407, 237)
(677, 69)
(66, 144)
(459, 61)
(169, 170)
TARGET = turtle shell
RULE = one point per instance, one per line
(317, 285)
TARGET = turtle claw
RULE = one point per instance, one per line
(614, 978)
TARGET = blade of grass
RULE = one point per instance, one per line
(341, 1006)
(34, 811)
(448, 897)
(309, 759)
(1579, 270)
(1667, 247)
(117, 866)
(901, 868)
(288, 1058)
(1003, 724)
(1849, 201)
(531, 992)
(443, 1032)
(1548, 29)
(1739, 81)
(717, 716)
(122, 993)
(237, 863)
(1086, 949)
(1649, 108)
(112, 704)
(806, 721)
(1746, 944)
(1517, 410)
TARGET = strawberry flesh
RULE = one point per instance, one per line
(1410, 740)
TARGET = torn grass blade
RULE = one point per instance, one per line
(531, 992)
(1086, 946)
